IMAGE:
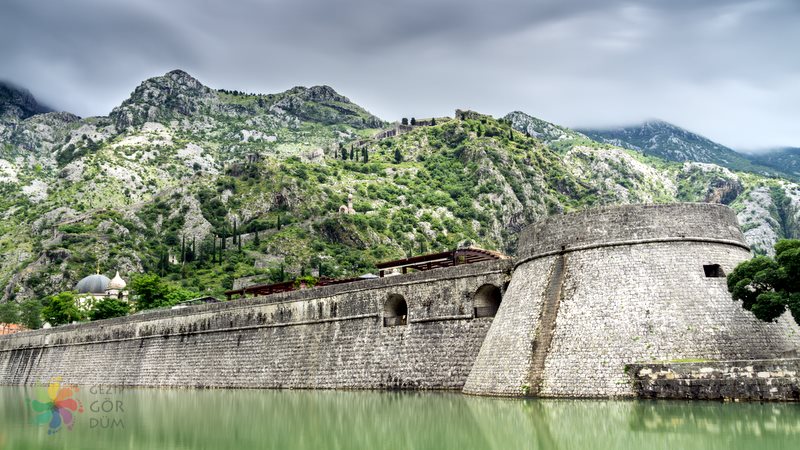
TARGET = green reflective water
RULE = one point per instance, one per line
(242, 419)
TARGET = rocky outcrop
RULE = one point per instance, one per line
(540, 129)
(325, 105)
(770, 213)
(17, 103)
(709, 183)
(161, 99)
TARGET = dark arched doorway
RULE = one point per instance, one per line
(395, 311)
(487, 300)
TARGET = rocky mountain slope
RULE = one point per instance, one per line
(670, 142)
(786, 160)
(204, 185)
(17, 104)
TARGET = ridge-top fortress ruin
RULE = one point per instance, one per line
(612, 302)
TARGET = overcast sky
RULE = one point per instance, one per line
(727, 69)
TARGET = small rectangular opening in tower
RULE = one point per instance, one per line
(713, 271)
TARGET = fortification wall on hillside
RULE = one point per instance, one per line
(328, 337)
(597, 290)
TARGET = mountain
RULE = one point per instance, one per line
(670, 142)
(784, 159)
(539, 129)
(204, 185)
(18, 103)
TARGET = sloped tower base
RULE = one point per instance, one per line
(597, 290)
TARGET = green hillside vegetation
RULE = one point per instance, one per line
(200, 186)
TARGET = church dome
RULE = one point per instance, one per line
(93, 284)
(117, 283)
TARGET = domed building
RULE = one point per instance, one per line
(117, 286)
(97, 287)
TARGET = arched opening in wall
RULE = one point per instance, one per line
(395, 311)
(487, 300)
(713, 271)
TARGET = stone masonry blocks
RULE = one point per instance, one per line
(329, 337)
(634, 291)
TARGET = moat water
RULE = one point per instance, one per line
(260, 419)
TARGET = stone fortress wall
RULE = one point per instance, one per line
(328, 337)
(597, 290)
(592, 294)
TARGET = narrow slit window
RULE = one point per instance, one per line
(713, 271)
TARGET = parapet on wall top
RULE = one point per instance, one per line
(595, 290)
(701, 222)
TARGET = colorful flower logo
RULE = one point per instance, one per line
(55, 406)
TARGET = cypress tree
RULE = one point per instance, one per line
(365, 155)
(164, 260)
(398, 157)
(352, 152)
(344, 153)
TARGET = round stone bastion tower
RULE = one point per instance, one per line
(597, 290)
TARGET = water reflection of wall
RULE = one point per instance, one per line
(614, 424)
(239, 419)
(718, 419)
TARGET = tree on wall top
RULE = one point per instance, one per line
(768, 286)
(109, 308)
(61, 309)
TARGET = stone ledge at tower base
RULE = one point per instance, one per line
(753, 380)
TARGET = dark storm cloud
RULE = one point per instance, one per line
(729, 69)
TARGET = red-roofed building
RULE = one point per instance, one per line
(11, 328)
